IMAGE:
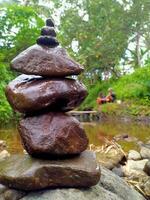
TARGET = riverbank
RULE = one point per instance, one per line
(126, 111)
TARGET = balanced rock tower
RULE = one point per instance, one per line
(55, 141)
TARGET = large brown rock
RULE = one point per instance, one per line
(45, 61)
(32, 174)
(52, 134)
(28, 94)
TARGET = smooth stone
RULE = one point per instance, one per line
(25, 173)
(47, 40)
(135, 168)
(110, 187)
(28, 94)
(145, 151)
(136, 165)
(147, 168)
(118, 171)
(44, 61)
(52, 134)
(134, 155)
(96, 193)
(49, 22)
(46, 30)
(117, 185)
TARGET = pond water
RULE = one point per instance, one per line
(127, 134)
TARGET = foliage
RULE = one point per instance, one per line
(102, 37)
(133, 88)
(19, 28)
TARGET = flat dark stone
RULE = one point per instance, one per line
(52, 135)
(25, 173)
(28, 94)
(47, 40)
(45, 61)
(46, 30)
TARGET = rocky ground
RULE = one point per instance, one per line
(110, 187)
(120, 174)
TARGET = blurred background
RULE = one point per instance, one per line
(111, 39)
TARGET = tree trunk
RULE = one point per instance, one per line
(138, 55)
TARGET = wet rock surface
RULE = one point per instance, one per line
(52, 134)
(29, 94)
(45, 61)
(110, 187)
(32, 174)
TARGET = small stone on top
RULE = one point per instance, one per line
(49, 22)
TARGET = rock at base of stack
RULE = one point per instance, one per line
(33, 174)
(52, 134)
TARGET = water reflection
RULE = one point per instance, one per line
(127, 134)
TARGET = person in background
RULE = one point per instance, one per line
(111, 97)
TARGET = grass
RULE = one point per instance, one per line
(133, 90)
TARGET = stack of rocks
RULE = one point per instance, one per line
(55, 139)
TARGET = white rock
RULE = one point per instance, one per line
(4, 154)
(134, 155)
(145, 152)
(135, 168)
(136, 164)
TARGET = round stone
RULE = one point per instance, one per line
(29, 94)
(47, 41)
(46, 30)
(52, 134)
(45, 61)
(49, 22)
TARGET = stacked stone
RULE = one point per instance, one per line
(44, 95)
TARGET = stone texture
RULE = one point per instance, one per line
(32, 174)
(135, 168)
(118, 186)
(96, 193)
(46, 30)
(145, 151)
(52, 134)
(29, 94)
(45, 61)
(110, 187)
(147, 168)
(47, 40)
(118, 171)
(110, 158)
(134, 155)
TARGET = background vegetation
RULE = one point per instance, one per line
(109, 38)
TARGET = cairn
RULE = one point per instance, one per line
(55, 141)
